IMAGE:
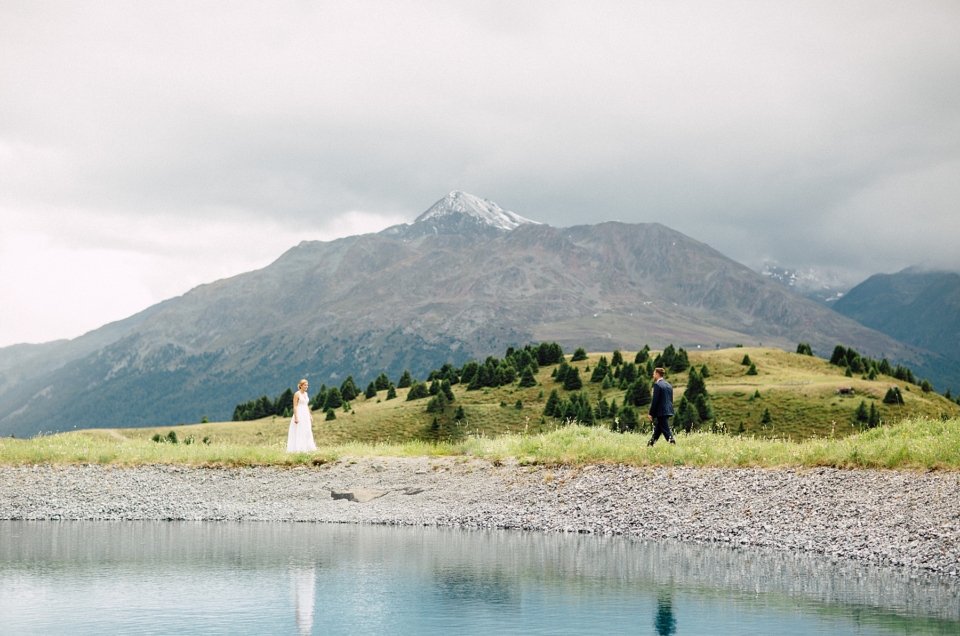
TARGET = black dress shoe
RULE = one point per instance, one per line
(672, 441)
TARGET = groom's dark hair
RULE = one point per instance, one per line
(659, 371)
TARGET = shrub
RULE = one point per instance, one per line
(172, 437)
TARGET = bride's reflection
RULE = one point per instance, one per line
(304, 583)
(665, 623)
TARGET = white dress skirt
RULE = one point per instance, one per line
(300, 437)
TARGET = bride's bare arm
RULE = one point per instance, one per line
(296, 399)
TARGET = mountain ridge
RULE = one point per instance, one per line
(386, 302)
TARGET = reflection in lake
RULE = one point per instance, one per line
(304, 594)
(285, 578)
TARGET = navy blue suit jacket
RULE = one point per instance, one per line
(662, 403)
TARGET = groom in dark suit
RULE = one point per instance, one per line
(661, 407)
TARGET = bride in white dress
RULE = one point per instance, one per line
(300, 437)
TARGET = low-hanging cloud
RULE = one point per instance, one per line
(816, 134)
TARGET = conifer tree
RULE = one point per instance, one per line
(553, 401)
(382, 382)
(893, 396)
(607, 382)
(437, 404)
(526, 378)
(873, 419)
(839, 356)
(746, 360)
(752, 370)
(391, 392)
(571, 381)
(459, 415)
(862, 415)
(617, 358)
(331, 415)
(418, 390)
(926, 387)
(948, 395)
(600, 370)
(628, 372)
(348, 389)
(371, 391)
(284, 402)
(766, 418)
(627, 419)
(704, 372)
(884, 367)
(434, 387)
(447, 390)
(405, 380)
(687, 416)
(334, 399)
(804, 349)
(642, 356)
(579, 354)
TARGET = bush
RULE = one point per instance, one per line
(172, 437)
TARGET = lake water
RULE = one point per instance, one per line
(287, 578)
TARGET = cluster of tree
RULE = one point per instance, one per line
(694, 407)
(674, 360)
(867, 418)
(265, 407)
(577, 407)
(854, 363)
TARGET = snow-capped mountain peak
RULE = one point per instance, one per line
(482, 210)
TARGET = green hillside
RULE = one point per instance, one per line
(799, 392)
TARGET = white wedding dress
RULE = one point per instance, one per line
(300, 437)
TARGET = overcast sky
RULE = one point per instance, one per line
(146, 148)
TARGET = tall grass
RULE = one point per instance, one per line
(920, 443)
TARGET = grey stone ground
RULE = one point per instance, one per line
(882, 517)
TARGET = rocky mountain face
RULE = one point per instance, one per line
(918, 307)
(465, 280)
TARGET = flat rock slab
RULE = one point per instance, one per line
(358, 495)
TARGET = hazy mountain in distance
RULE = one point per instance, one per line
(915, 306)
(822, 286)
(465, 280)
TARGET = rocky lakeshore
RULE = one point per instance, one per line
(880, 517)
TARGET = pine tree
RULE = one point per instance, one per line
(469, 372)
(519, 404)
(437, 404)
(526, 378)
(371, 391)
(331, 415)
(848, 373)
(687, 417)
(839, 356)
(642, 356)
(627, 419)
(459, 415)
(862, 415)
(382, 382)
(447, 390)
(348, 389)
(873, 419)
(948, 395)
(766, 418)
(884, 367)
(434, 387)
(642, 392)
(405, 380)
(334, 399)
(600, 370)
(704, 409)
(607, 382)
(893, 396)
(284, 402)
(628, 372)
(926, 387)
(617, 358)
(746, 360)
(572, 380)
(804, 349)
(550, 408)
(752, 370)
(418, 390)
(873, 374)
(579, 354)
(391, 392)
(704, 372)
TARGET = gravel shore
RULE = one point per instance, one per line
(881, 517)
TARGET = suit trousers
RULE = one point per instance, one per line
(661, 426)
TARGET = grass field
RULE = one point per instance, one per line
(921, 443)
(810, 425)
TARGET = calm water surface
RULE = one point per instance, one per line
(285, 578)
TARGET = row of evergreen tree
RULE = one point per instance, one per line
(493, 372)
(855, 364)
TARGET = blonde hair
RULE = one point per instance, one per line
(301, 382)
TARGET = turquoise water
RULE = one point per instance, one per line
(285, 578)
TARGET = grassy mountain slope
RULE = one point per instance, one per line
(380, 303)
(799, 391)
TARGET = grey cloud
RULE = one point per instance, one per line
(767, 131)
